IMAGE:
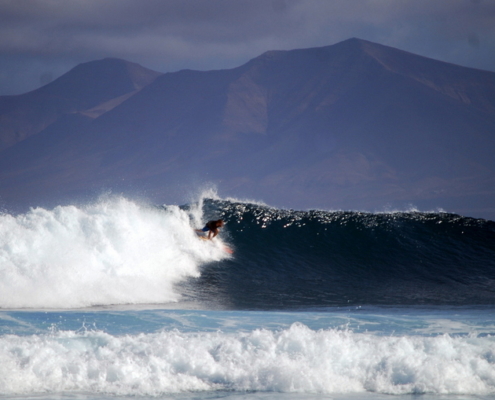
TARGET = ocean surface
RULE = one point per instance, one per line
(120, 299)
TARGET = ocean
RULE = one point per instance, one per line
(119, 299)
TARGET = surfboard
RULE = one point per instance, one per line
(227, 249)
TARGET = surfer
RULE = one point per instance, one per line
(212, 228)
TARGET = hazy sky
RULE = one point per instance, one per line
(42, 39)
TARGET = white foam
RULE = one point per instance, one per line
(114, 251)
(297, 360)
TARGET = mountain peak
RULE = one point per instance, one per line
(93, 87)
(109, 75)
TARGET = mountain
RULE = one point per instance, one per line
(91, 88)
(355, 125)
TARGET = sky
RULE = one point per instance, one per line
(43, 39)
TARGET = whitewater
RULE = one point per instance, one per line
(119, 298)
(114, 251)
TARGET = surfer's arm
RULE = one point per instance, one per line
(212, 233)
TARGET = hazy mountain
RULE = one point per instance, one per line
(91, 88)
(353, 125)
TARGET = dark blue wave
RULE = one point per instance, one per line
(293, 259)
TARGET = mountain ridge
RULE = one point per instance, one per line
(327, 127)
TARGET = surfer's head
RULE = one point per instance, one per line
(219, 223)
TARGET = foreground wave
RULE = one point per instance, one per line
(296, 359)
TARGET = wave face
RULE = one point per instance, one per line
(286, 258)
(114, 251)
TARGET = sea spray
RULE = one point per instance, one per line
(114, 251)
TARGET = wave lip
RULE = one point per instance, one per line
(293, 360)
